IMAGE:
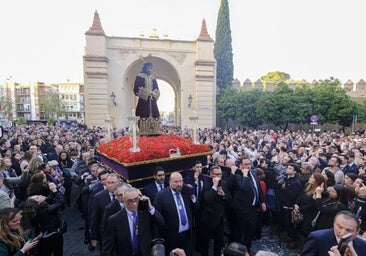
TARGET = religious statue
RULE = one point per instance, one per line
(146, 88)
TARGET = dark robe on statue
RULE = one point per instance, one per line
(146, 88)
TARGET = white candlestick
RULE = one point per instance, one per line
(134, 136)
(133, 112)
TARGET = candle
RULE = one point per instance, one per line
(133, 112)
(134, 136)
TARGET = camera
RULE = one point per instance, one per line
(158, 247)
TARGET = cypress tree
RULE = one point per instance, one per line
(222, 48)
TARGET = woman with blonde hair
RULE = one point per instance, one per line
(12, 238)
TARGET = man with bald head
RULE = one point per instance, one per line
(176, 209)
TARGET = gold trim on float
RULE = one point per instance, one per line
(156, 160)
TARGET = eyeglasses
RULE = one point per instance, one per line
(119, 195)
(134, 200)
(217, 174)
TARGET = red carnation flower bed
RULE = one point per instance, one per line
(151, 148)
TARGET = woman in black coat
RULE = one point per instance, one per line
(44, 215)
(328, 207)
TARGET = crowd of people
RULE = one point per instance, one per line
(295, 181)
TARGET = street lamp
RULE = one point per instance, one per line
(113, 98)
(190, 98)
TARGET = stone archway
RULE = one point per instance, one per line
(112, 63)
(162, 70)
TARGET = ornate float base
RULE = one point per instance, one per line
(141, 173)
(149, 126)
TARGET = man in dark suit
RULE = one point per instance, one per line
(100, 201)
(176, 209)
(129, 230)
(151, 189)
(247, 197)
(325, 241)
(215, 197)
(115, 205)
(193, 179)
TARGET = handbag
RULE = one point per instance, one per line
(296, 217)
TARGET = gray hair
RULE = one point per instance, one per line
(129, 190)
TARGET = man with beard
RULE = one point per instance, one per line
(176, 209)
(146, 88)
(151, 189)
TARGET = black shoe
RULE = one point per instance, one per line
(91, 248)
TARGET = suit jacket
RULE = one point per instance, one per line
(213, 205)
(150, 190)
(117, 240)
(100, 201)
(165, 204)
(109, 210)
(241, 191)
(319, 242)
(5, 200)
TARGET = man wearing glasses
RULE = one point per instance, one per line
(129, 231)
(115, 205)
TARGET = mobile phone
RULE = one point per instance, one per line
(36, 238)
(342, 245)
(187, 189)
(205, 177)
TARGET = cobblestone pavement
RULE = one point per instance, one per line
(74, 239)
(270, 242)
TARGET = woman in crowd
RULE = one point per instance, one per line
(328, 207)
(306, 203)
(64, 160)
(12, 238)
(329, 178)
(38, 185)
(16, 158)
(44, 215)
(28, 155)
(65, 165)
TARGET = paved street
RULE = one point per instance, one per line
(74, 245)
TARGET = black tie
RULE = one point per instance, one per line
(199, 188)
(161, 187)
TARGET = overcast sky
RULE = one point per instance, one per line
(308, 39)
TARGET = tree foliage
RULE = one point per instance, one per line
(227, 103)
(284, 105)
(223, 51)
(52, 105)
(275, 77)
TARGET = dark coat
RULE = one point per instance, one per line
(213, 205)
(165, 204)
(100, 201)
(109, 210)
(143, 106)
(241, 191)
(117, 240)
(319, 242)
